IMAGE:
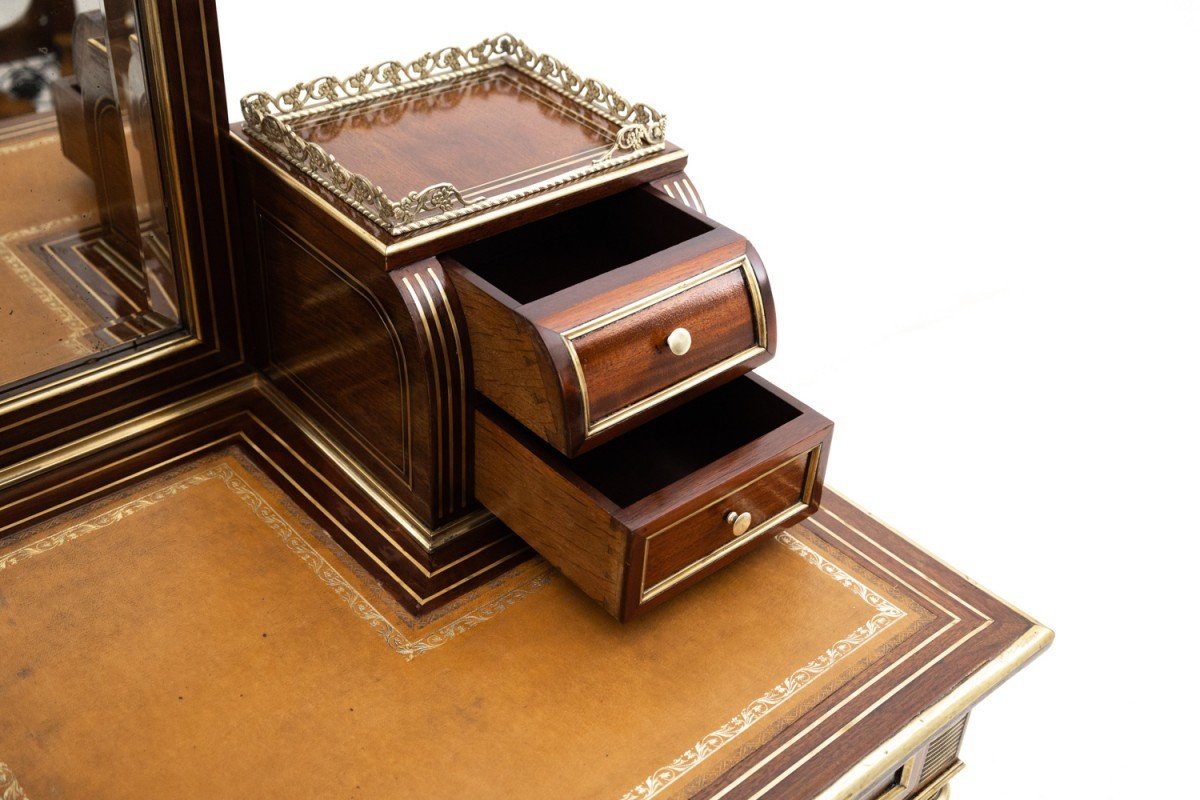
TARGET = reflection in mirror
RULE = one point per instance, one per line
(85, 259)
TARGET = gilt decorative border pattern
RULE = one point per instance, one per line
(68, 316)
(886, 614)
(297, 544)
(639, 129)
(10, 789)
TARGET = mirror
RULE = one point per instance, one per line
(85, 250)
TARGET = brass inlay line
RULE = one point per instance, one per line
(404, 474)
(872, 774)
(47, 295)
(813, 458)
(445, 348)
(462, 382)
(396, 247)
(593, 426)
(867, 772)
(886, 613)
(437, 389)
(935, 790)
(296, 543)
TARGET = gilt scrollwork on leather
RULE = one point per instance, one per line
(884, 615)
(10, 789)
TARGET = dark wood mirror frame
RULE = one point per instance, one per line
(57, 432)
(62, 406)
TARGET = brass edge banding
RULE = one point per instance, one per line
(396, 248)
(640, 130)
(437, 390)
(742, 262)
(428, 538)
(939, 789)
(110, 436)
(813, 456)
(333, 268)
(756, 710)
(462, 380)
(905, 783)
(937, 716)
(446, 491)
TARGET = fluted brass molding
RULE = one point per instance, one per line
(638, 129)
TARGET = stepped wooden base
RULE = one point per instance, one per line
(229, 632)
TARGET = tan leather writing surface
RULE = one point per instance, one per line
(197, 636)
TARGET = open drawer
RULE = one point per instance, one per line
(587, 323)
(637, 519)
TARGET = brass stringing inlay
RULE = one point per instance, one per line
(297, 544)
(591, 424)
(639, 130)
(885, 615)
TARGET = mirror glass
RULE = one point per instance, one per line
(85, 251)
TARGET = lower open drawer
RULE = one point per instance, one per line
(642, 517)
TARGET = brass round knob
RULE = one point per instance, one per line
(680, 341)
(739, 522)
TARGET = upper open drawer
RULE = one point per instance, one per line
(592, 321)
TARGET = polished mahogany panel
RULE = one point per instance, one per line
(407, 143)
(637, 520)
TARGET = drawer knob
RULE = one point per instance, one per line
(739, 522)
(680, 341)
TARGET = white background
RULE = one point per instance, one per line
(981, 225)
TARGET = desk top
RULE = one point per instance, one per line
(198, 632)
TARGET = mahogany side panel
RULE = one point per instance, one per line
(563, 521)
(510, 359)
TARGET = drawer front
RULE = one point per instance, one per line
(685, 547)
(625, 361)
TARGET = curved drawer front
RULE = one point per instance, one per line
(683, 548)
(646, 352)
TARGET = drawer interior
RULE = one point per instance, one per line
(544, 257)
(671, 447)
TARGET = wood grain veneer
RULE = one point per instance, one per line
(586, 301)
(636, 521)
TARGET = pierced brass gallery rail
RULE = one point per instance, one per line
(638, 130)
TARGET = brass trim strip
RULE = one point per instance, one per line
(404, 473)
(462, 380)
(955, 620)
(699, 564)
(938, 790)
(760, 325)
(901, 787)
(427, 537)
(757, 710)
(388, 250)
(937, 716)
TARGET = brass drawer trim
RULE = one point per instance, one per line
(810, 480)
(594, 426)
(934, 790)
